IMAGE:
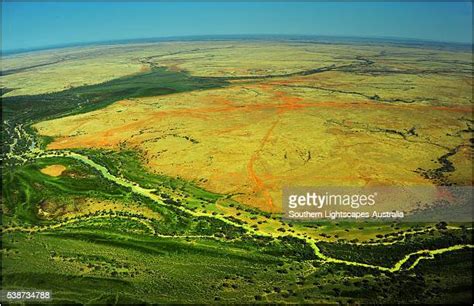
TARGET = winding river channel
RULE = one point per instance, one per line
(149, 193)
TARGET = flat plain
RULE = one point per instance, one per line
(135, 172)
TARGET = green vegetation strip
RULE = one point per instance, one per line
(149, 193)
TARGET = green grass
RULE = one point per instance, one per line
(97, 266)
(388, 255)
(140, 269)
(25, 187)
(158, 81)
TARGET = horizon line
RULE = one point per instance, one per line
(389, 39)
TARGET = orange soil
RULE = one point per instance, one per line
(106, 138)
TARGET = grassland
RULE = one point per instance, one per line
(161, 182)
(354, 125)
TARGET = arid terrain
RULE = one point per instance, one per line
(359, 121)
(153, 172)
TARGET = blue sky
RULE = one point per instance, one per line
(34, 24)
